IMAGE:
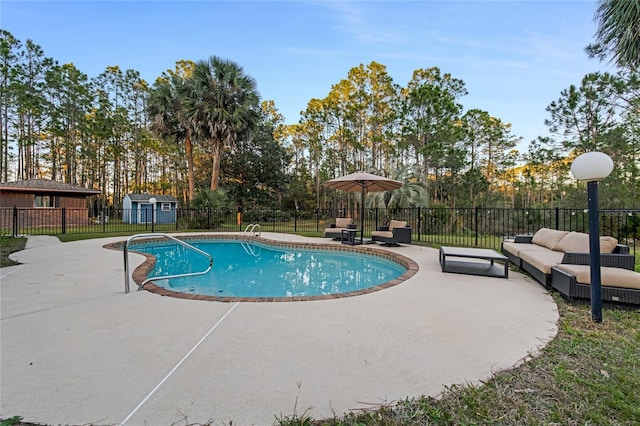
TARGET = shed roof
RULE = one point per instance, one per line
(45, 185)
(147, 197)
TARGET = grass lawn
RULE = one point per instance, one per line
(588, 375)
(9, 245)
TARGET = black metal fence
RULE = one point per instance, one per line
(479, 227)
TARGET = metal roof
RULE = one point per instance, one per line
(45, 185)
(147, 197)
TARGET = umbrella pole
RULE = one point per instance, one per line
(362, 216)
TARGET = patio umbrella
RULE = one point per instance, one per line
(363, 182)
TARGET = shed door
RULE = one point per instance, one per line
(145, 213)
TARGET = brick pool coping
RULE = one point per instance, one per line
(140, 273)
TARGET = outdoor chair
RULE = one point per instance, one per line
(335, 229)
(397, 232)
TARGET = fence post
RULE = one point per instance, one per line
(557, 218)
(104, 219)
(15, 222)
(295, 220)
(377, 223)
(476, 224)
(64, 220)
(419, 222)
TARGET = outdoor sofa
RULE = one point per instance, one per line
(618, 285)
(335, 229)
(397, 232)
(560, 260)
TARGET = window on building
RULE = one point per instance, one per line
(166, 206)
(44, 201)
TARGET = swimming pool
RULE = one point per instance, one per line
(259, 270)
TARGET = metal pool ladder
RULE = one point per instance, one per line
(166, 277)
(251, 228)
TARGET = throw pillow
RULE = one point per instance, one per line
(548, 237)
(578, 242)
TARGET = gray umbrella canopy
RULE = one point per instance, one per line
(363, 182)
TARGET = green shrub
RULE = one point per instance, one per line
(262, 216)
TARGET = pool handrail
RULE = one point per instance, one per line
(165, 277)
(251, 228)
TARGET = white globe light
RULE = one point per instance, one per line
(153, 200)
(592, 166)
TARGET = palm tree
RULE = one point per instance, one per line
(167, 119)
(411, 194)
(618, 34)
(222, 104)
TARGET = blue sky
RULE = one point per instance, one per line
(515, 57)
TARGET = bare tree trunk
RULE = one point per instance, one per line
(4, 142)
(215, 172)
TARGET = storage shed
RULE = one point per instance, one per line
(148, 208)
(41, 202)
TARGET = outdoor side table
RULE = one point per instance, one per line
(349, 236)
(482, 263)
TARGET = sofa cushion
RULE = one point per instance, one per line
(611, 277)
(578, 242)
(542, 260)
(548, 237)
(333, 230)
(343, 222)
(516, 248)
(384, 234)
(397, 224)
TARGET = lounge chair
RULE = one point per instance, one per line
(397, 232)
(335, 229)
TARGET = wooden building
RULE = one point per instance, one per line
(46, 195)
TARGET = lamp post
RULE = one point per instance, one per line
(153, 202)
(592, 167)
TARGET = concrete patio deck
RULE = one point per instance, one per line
(75, 349)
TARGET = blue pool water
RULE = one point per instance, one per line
(249, 269)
